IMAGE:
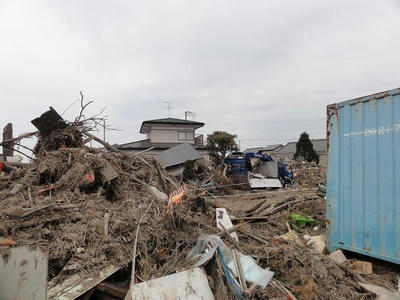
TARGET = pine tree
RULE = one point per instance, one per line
(305, 149)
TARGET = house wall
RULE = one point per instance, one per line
(169, 134)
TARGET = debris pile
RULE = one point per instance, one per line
(308, 174)
(64, 197)
(268, 226)
(85, 205)
(96, 209)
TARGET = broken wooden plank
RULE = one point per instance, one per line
(7, 146)
(75, 286)
(36, 210)
(224, 221)
(143, 151)
(105, 144)
(106, 221)
(112, 289)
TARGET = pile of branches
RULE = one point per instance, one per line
(85, 204)
(63, 201)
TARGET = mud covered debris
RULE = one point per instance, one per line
(85, 205)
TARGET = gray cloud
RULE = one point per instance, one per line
(264, 70)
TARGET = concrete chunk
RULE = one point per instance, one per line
(318, 243)
(156, 193)
(362, 267)
(16, 188)
(337, 256)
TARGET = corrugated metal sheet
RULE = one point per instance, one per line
(363, 190)
(178, 155)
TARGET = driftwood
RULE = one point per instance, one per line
(55, 206)
(17, 139)
(105, 144)
(36, 210)
(230, 238)
(253, 236)
(112, 289)
(136, 239)
(35, 223)
(106, 222)
(273, 209)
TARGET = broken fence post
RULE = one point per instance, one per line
(106, 222)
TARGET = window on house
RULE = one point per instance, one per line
(189, 136)
(185, 136)
(181, 135)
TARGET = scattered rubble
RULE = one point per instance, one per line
(362, 267)
(338, 256)
(316, 242)
(102, 213)
(308, 174)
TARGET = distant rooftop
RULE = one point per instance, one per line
(272, 147)
(172, 121)
(145, 144)
(319, 145)
(266, 148)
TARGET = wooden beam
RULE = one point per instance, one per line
(8, 147)
(112, 289)
(105, 144)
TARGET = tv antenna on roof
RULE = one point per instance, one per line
(189, 114)
(168, 106)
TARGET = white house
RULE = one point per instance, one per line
(163, 134)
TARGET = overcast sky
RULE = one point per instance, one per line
(264, 70)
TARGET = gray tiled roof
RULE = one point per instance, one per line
(255, 150)
(319, 145)
(266, 148)
(272, 147)
(145, 144)
(178, 155)
(170, 121)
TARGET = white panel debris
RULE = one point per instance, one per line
(190, 285)
(23, 273)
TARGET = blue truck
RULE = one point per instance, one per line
(239, 163)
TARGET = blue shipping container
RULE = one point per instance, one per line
(363, 181)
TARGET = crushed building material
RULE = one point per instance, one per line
(308, 174)
(86, 204)
(177, 155)
(337, 256)
(192, 284)
(362, 267)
